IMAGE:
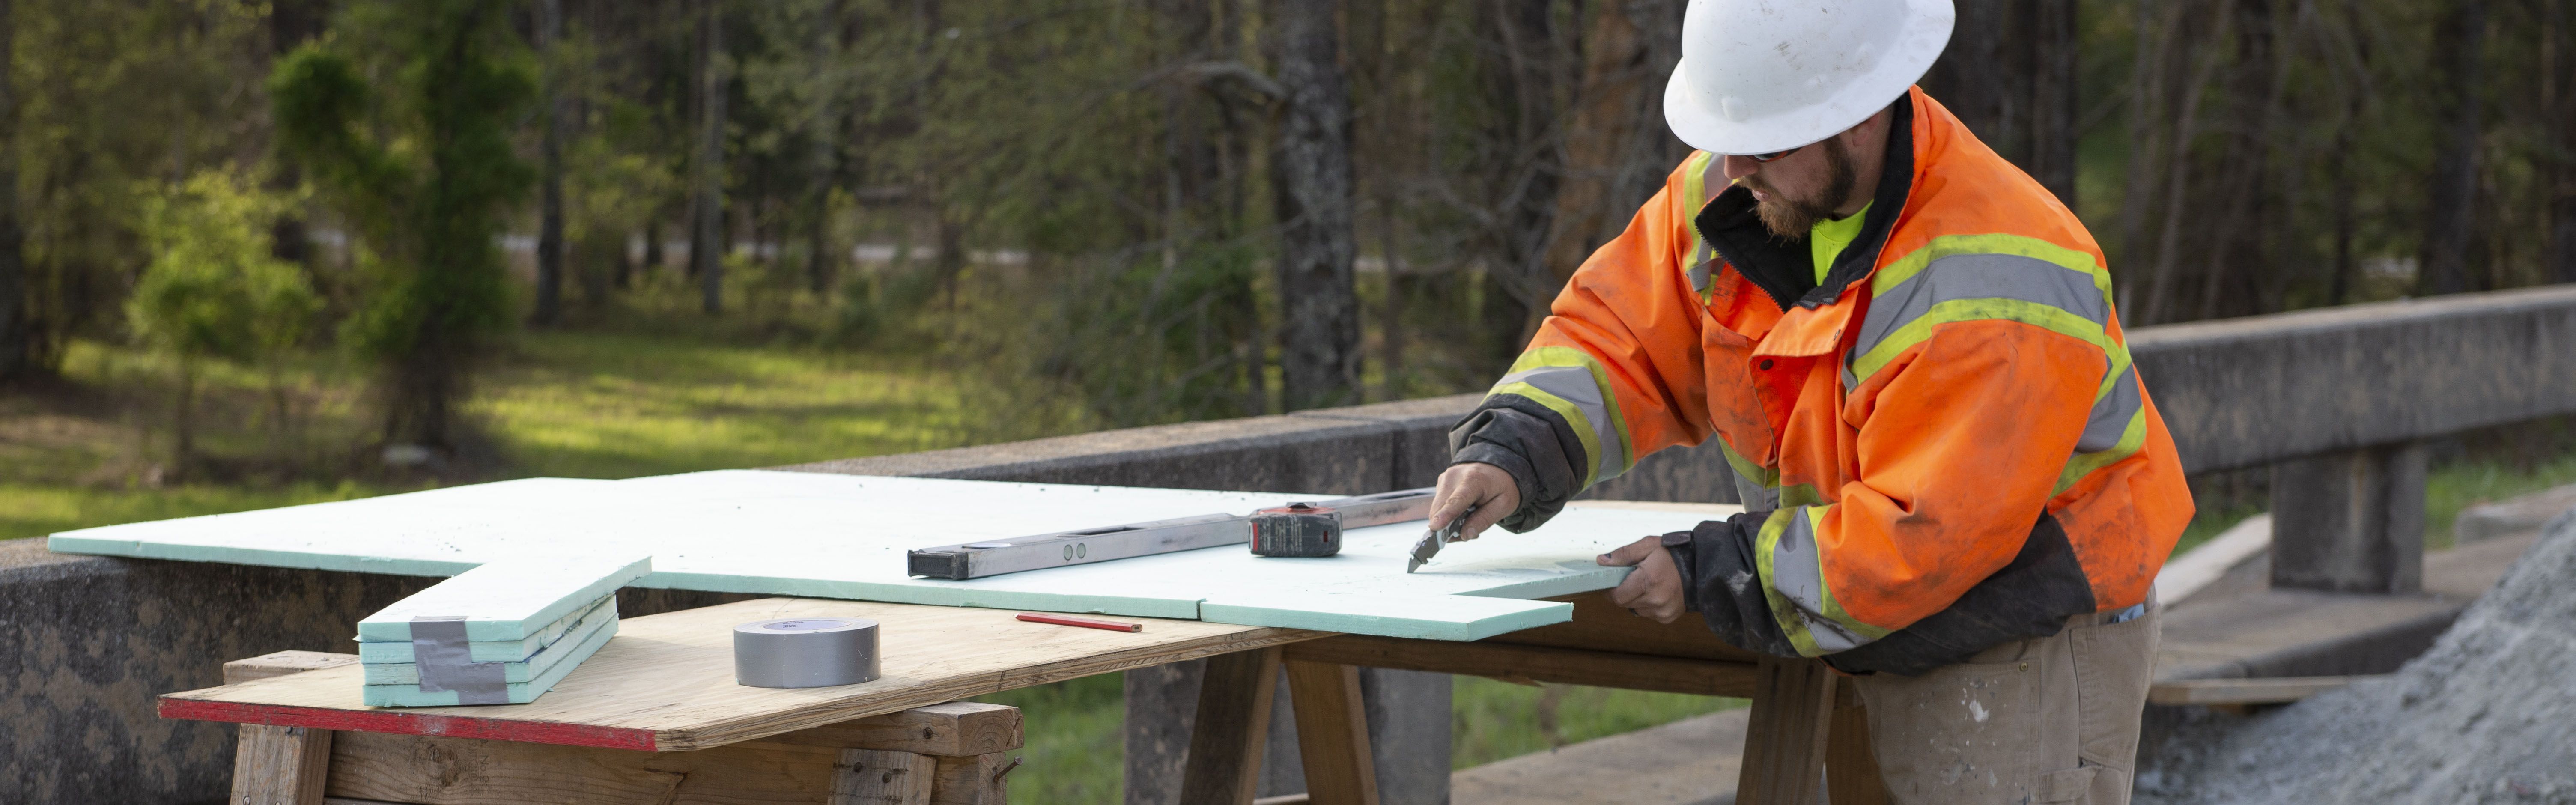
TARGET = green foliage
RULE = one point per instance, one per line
(212, 289)
(425, 172)
(112, 102)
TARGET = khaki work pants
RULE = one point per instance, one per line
(2052, 720)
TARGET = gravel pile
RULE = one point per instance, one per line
(2487, 715)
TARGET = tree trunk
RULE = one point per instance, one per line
(1525, 66)
(291, 23)
(14, 336)
(654, 260)
(2009, 74)
(1617, 133)
(2147, 92)
(2450, 220)
(183, 450)
(2558, 88)
(706, 235)
(550, 213)
(2053, 43)
(1311, 173)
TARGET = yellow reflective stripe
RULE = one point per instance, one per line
(1696, 271)
(1914, 262)
(1745, 468)
(2084, 464)
(1602, 429)
(1959, 310)
(1800, 495)
(1695, 186)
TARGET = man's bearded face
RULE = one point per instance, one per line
(1792, 210)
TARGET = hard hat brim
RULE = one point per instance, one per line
(1924, 33)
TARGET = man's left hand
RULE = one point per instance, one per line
(1654, 590)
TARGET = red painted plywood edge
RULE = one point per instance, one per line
(400, 722)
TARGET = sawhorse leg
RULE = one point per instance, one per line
(1226, 737)
(280, 765)
(1332, 733)
(1806, 727)
(1851, 767)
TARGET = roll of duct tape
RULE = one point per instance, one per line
(805, 652)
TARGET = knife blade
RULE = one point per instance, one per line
(1432, 539)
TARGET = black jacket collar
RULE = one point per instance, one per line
(1785, 268)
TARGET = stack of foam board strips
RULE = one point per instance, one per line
(501, 633)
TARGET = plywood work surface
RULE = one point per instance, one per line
(665, 683)
(844, 536)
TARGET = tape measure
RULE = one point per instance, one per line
(1297, 529)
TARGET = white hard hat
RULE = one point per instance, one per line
(1759, 76)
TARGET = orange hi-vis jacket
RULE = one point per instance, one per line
(1942, 448)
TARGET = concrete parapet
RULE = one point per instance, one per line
(2257, 390)
(2351, 521)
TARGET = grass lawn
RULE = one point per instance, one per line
(95, 448)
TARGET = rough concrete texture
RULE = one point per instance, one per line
(2251, 391)
(86, 643)
(2491, 520)
(2487, 715)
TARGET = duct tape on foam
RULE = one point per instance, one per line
(439, 647)
(805, 652)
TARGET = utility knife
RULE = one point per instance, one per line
(1432, 539)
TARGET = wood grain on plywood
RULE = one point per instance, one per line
(281, 663)
(666, 682)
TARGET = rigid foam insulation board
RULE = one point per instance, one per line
(513, 597)
(844, 536)
(406, 673)
(501, 650)
(516, 692)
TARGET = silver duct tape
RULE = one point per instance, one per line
(805, 652)
(446, 663)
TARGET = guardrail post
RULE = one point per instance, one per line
(2351, 521)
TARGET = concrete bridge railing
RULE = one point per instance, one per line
(2338, 402)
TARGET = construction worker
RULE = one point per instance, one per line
(1955, 487)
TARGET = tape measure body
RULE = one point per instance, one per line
(1297, 529)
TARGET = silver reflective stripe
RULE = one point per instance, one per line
(1798, 575)
(1574, 384)
(1756, 497)
(446, 662)
(2111, 414)
(1980, 276)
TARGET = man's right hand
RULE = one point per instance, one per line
(1484, 486)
